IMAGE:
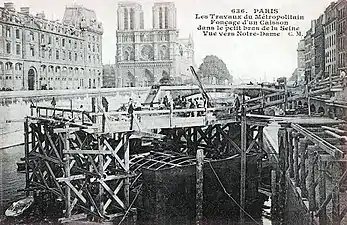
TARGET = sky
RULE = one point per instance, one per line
(259, 58)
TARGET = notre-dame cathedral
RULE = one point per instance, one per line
(148, 56)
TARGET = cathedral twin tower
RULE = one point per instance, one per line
(130, 16)
(147, 56)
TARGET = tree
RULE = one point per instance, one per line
(212, 66)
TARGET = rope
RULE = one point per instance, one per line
(136, 121)
(126, 213)
(229, 195)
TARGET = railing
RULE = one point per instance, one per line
(166, 118)
(123, 121)
(63, 114)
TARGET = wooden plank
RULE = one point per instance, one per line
(274, 194)
(290, 152)
(119, 146)
(64, 130)
(142, 134)
(126, 168)
(336, 130)
(335, 214)
(311, 180)
(94, 206)
(71, 178)
(79, 195)
(335, 186)
(329, 197)
(102, 173)
(66, 145)
(88, 152)
(199, 185)
(283, 163)
(264, 191)
(26, 152)
(343, 213)
(329, 148)
(243, 163)
(343, 138)
(322, 191)
(54, 177)
(296, 160)
(107, 163)
(46, 158)
(252, 143)
(52, 144)
(114, 196)
(302, 151)
(93, 165)
(117, 177)
(229, 139)
(109, 201)
(73, 218)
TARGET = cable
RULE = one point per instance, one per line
(137, 122)
(131, 205)
(225, 191)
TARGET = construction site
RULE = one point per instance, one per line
(216, 164)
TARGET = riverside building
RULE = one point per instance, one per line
(36, 53)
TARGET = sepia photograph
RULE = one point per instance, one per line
(173, 112)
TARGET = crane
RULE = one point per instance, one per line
(201, 88)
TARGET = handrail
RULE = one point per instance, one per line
(56, 109)
(168, 111)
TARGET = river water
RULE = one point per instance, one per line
(10, 179)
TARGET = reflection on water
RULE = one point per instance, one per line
(10, 179)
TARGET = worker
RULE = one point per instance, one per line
(53, 103)
(104, 103)
(237, 104)
(130, 112)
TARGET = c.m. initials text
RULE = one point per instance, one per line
(297, 33)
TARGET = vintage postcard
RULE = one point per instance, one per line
(173, 112)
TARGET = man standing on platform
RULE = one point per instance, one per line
(237, 104)
(131, 113)
(53, 103)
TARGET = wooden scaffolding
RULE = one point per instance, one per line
(68, 155)
(312, 162)
(74, 157)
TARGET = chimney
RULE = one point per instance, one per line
(9, 6)
(24, 10)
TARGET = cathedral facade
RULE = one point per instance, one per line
(151, 56)
(36, 53)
